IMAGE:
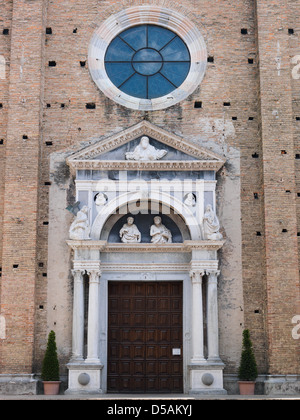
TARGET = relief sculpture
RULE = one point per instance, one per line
(144, 151)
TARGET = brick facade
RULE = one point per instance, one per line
(250, 109)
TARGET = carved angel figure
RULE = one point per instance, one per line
(100, 201)
(190, 200)
(211, 225)
(159, 233)
(129, 232)
(144, 151)
(80, 228)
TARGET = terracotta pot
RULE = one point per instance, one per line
(246, 387)
(51, 387)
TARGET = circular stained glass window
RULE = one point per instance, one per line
(147, 61)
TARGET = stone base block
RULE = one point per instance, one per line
(84, 378)
(18, 384)
(282, 385)
(206, 379)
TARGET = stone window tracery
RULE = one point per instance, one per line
(147, 61)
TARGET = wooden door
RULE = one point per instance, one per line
(145, 337)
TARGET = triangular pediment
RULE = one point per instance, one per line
(111, 153)
(121, 152)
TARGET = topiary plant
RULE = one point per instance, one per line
(248, 367)
(50, 366)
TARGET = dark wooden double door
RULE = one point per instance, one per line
(145, 337)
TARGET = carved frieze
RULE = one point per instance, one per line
(186, 246)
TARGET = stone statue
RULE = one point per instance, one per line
(144, 151)
(211, 225)
(190, 200)
(129, 232)
(100, 200)
(159, 233)
(80, 228)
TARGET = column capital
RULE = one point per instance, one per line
(77, 274)
(212, 274)
(94, 275)
(196, 275)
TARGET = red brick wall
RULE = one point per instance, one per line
(282, 280)
(54, 117)
(5, 34)
(21, 179)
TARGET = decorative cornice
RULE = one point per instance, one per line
(147, 268)
(145, 247)
(86, 244)
(186, 246)
(85, 265)
(165, 165)
(204, 266)
(206, 244)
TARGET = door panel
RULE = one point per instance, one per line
(144, 326)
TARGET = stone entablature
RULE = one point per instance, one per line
(104, 246)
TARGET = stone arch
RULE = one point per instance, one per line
(166, 200)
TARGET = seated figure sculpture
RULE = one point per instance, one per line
(159, 233)
(129, 232)
(144, 151)
(211, 225)
(80, 228)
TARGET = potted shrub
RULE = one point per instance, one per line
(248, 367)
(50, 367)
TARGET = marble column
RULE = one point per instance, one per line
(212, 316)
(93, 317)
(197, 317)
(78, 316)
